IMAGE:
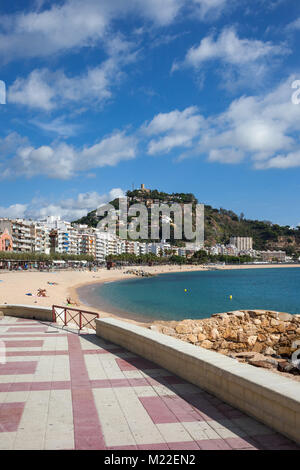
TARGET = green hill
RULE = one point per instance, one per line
(220, 224)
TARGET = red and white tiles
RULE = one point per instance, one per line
(61, 390)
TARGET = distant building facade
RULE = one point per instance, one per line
(5, 241)
(242, 243)
(269, 256)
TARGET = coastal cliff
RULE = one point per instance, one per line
(260, 337)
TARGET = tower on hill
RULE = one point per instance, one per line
(145, 190)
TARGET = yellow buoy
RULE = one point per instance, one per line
(185, 290)
(230, 297)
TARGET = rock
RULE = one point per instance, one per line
(168, 331)
(284, 351)
(285, 316)
(201, 337)
(255, 313)
(274, 338)
(272, 314)
(269, 351)
(288, 367)
(281, 327)
(261, 363)
(258, 347)
(219, 315)
(206, 344)
(197, 330)
(183, 328)
(236, 314)
(230, 335)
(245, 355)
(214, 334)
(192, 339)
(242, 337)
(261, 337)
(257, 335)
(252, 340)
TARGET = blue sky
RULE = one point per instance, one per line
(181, 95)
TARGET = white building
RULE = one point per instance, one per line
(242, 243)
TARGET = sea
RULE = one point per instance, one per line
(197, 294)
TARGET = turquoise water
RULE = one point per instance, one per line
(164, 297)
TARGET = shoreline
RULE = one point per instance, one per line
(110, 311)
(15, 285)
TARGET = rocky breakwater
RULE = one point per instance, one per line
(262, 338)
(138, 272)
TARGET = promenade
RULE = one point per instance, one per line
(61, 390)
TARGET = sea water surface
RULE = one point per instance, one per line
(198, 294)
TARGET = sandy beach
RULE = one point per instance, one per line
(15, 285)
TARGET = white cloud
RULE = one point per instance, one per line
(13, 211)
(210, 7)
(161, 13)
(289, 160)
(226, 155)
(46, 90)
(242, 58)
(71, 209)
(63, 161)
(57, 126)
(75, 24)
(70, 25)
(33, 91)
(68, 209)
(174, 129)
(263, 128)
(229, 48)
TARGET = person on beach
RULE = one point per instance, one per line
(71, 302)
(41, 293)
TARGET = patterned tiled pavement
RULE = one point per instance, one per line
(61, 390)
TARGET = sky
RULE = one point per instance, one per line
(197, 96)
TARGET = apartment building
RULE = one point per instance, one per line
(41, 237)
(63, 236)
(21, 233)
(242, 243)
(5, 241)
(269, 256)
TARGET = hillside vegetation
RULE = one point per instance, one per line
(220, 224)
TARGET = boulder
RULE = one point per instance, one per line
(285, 316)
(284, 351)
(258, 347)
(262, 363)
(252, 340)
(260, 335)
(192, 339)
(168, 331)
(256, 313)
(183, 328)
(206, 344)
(230, 335)
(236, 314)
(214, 334)
(269, 351)
(201, 337)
